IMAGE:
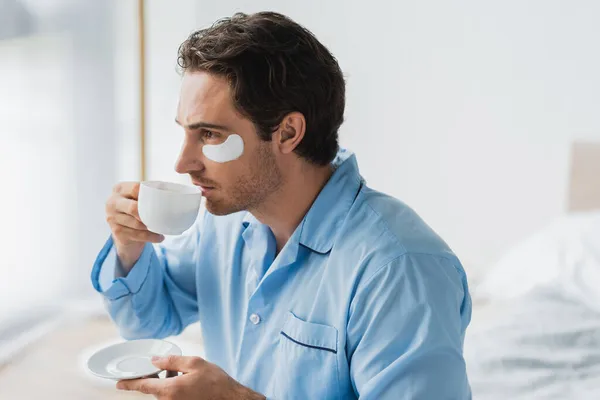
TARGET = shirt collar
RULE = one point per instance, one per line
(320, 225)
(318, 229)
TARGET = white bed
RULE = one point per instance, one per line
(535, 333)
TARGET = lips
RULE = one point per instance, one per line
(203, 187)
(202, 184)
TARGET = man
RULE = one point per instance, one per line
(308, 284)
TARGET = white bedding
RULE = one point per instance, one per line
(544, 345)
(539, 337)
(566, 252)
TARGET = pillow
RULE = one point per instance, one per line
(567, 252)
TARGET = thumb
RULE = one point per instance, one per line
(177, 363)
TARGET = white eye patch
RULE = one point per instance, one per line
(231, 149)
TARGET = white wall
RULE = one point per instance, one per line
(463, 110)
(94, 135)
(167, 28)
(57, 141)
(127, 89)
(36, 169)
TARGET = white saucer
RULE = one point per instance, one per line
(130, 360)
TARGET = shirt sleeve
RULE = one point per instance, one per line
(406, 331)
(110, 270)
(157, 298)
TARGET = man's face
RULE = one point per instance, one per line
(207, 113)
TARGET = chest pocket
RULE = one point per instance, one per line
(307, 361)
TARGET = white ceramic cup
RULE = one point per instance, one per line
(168, 208)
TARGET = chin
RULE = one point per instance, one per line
(220, 209)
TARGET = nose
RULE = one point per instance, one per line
(189, 158)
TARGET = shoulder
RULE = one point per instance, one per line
(385, 235)
(388, 224)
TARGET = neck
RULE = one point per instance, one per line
(284, 209)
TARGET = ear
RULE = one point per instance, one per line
(290, 133)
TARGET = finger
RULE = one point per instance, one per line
(146, 386)
(130, 190)
(178, 363)
(127, 206)
(128, 221)
(136, 235)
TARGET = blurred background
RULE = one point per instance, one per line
(482, 116)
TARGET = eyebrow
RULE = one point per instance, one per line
(206, 125)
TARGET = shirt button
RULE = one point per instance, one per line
(255, 319)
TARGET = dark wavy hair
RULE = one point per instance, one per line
(274, 66)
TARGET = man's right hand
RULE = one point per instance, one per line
(128, 232)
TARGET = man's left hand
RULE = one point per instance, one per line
(200, 380)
